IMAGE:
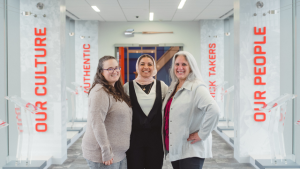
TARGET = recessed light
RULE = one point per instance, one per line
(182, 2)
(96, 8)
(151, 16)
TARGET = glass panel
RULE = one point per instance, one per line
(286, 69)
(296, 77)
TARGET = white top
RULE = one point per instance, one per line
(192, 110)
(146, 101)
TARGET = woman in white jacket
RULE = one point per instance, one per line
(189, 115)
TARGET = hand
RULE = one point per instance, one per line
(108, 162)
(194, 137)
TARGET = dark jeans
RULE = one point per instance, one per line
(119, 165)
(188, 163)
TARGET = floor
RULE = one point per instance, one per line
(222, 157)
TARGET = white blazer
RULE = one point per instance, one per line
(192, 110)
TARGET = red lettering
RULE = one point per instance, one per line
(259, 31)
(42, 104)
(212, 51)
(41, 49)
(213, 45)
(259, 95)
(259, 50)
(43, 72)
(84, 79)
(210, 74)
(84, 54)
(212, 63)
(36, 63)
(263, 42)
(262, 114)
(259, 72)
(43, 119)
(212, 68)
(86, 66)
(86, 47)
(41, 94)
(259, 81)
(86, 73)
(40, 91)
(39, 41)
(41, 77)
(260, 57)
(86, 61)
(40, 33)
(41, 124)
(212, 56)
(263, 103)
(212, 83)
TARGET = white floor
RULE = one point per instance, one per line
(229, 133)
(76, 124)
(224, 123)
(71, 134)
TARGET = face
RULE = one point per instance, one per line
(146, 67)
(182, 68)
(111, 77)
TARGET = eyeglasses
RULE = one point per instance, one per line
(111, 70)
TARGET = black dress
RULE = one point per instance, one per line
(146, 149)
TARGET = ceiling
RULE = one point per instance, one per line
(164, 10)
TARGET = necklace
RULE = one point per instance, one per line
(144, 88)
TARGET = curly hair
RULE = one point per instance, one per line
(117, 91)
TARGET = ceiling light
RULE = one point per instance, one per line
(96, 8)
(181, 4)
(26, 13)
(151, 16)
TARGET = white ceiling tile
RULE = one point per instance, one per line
(70, 3)
(164, 10)
(223, 2)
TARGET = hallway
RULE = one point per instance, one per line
(222, 157)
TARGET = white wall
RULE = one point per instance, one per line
(52, 142)
(89, 29)
(188, 33)
(297, 90)
(212, 69)
(251, 137)
(229, 51)
(3, 132)
(14, 70)
(70, 64)
(286, 68)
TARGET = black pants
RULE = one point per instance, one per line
(146, 151)
(188, 163)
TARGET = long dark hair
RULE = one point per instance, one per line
(116, 91)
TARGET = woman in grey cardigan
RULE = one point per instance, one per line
(189, 115)
(108, 128)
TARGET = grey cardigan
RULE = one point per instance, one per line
(192, 110)
(108, 127)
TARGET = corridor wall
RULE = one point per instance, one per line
(10, 56)
(86, 59)
(3, 116)
(286, 68)
(43, 76)
(229, 51)
(70, 64)
(188, 33)
(251, 135)
(212, 54)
